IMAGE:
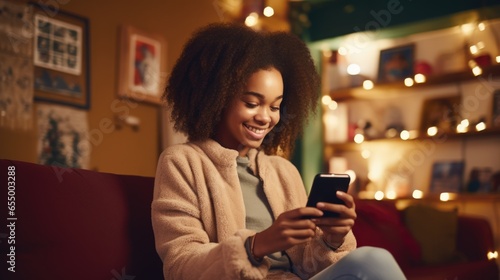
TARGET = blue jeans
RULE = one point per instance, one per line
(364, 263)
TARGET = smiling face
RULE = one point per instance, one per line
(253, 113)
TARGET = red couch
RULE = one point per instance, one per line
(381, 224)
(77, 224)
(80, 224)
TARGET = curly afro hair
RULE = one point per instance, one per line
(214, 67)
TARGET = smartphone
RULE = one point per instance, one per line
(324, 189)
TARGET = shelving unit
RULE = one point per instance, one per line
(386, 90)
(378, 159)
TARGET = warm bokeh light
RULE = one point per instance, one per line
(367, 84)
(333, 105)
(353, 69)
(409, 82)
(474, 49)
(481, 26)
(404, 135)
(432, 131)
(268, 11)
(444, 196)
(342, 51)
(481, 126)
(391, 194)
(477, 71)
(497, 59)
(379, 195)
(359, 138)
(467, 28)
(326, 99)
(463, 126)
(420, 78)
(252, 19)
(492, 255)
(417, 194)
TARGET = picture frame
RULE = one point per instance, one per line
(142, 65)
(447, 176)
(396, 64)
(61, 57)
(442, 113)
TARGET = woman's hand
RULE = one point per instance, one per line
(335, 229)
(288, 230)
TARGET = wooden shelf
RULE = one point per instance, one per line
(389, 90)
(475, 134)
(456, 197)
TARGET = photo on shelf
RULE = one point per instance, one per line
(442, 113)
(447, 176)
(396, 64)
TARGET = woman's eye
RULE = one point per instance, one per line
(275, 109)
(250, 105)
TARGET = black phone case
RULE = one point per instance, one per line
(324, 188)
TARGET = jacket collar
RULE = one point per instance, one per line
(224, 157)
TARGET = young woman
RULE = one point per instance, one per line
(225, 205)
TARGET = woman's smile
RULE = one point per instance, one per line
(256, 132)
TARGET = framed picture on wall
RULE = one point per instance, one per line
(447, 176)
(61, 57)
(142, 65)
(396, 64)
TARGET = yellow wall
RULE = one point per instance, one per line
(121, 151)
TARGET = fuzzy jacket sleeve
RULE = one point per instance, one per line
(185, 237)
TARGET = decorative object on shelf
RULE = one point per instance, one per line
(366, 128)
(483, 60)
(480, 180)
(495, 118)
(16, 66)
(61, 58)
(447, 176)
(142, 65)
(423, 67)
(393, 119)
(396, 64)
(441, 113)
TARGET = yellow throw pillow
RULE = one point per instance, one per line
(436, 232)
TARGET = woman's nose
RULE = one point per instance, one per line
(263, 116)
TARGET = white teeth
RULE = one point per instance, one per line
(255, 129)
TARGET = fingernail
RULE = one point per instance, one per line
(320, 204)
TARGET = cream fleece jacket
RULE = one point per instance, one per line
(198, 215)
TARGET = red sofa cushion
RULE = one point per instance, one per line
(379, 224)
(79, 224)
